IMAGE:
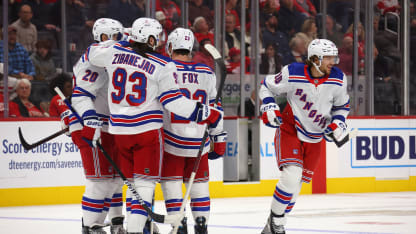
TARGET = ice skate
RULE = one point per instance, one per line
(272, 227)
(200, 225)
(97, 229)
(183, 228)
(146, 229)
(117, 226)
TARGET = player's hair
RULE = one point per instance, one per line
(310, 60)
(59, 81)
(182, 52)
(141, 48)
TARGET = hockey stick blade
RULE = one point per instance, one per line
(220, 62)
(28, 146)
(344, 140)
(171, 219)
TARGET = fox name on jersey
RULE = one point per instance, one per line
(183, 137)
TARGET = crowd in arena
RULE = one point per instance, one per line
(286, 28)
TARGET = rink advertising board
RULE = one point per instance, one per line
(384, 147)
(54, 163)
(381, 158)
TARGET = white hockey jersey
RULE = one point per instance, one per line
(90, 88)
(138, 88)
(314, 102)
(183, 137)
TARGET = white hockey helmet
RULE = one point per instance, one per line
(180, 38)
(107, 26)
(321, 48)
(144, 28)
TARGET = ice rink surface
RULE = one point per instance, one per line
(333, 213)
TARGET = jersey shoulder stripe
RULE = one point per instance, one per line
(192, 66)
(162, 60)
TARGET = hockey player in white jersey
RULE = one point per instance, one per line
(318, 104)
(103, 190)
(141, 83)
(183, 137)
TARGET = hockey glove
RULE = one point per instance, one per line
(209, 115)
(220, 142)
(65, 120)
(271, 115)
(91, 132)
(336, 129)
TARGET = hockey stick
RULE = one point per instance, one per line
(28, 146)
(344, 140)
(156, 217)
(220, 62)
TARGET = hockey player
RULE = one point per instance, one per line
(103, 187)
(183, 137)
(141, 83)
(318, 104)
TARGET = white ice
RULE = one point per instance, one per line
(333, 213)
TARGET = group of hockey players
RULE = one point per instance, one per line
(150, 113)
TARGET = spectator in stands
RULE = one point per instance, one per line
(64, 82)
(386, 42)
(203, 56)
(305, 7)
(234, 63)
(345, 55)
(290, 20)
(299, 46)
(20, 65)
(201, 29)
(11, 83)
(126, 11)
(41, 14)
(273, 36)
(361, 38)
(342, 11)
(268, 7)
(27, 35)
(230, 9)
(160, 16)
(43, 62)
(232, 34)
(197, 9)
(171, 11)
(271, 60)
(388, 6)
(75, 17)
(310, 29)
(386, 94)
(333, 33)
(22, 106)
